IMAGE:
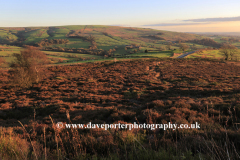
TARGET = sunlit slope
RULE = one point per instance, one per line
(105, 36)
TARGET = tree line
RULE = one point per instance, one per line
(231, 39)
(99, 52)
(206, 42)
(48, 42)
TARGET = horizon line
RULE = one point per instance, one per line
(125, 26)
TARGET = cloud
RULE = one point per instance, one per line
(220, 19)
(174, 24)
(200, 21)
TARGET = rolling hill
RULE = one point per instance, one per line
(106, 36)
(72, 44)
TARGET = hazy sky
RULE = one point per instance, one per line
(174, 15)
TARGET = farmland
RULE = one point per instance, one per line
(106, 40)
(55, 57)
(105, 35)
(66, 44)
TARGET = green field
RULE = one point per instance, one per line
(104, 35)
(210, 54)
(35, 36)
(7, 37)
(69, 58)
(7, 51)
(163, 54)
(106, 38)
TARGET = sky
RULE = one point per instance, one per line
(172, 15)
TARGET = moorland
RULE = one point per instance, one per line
(107, 74)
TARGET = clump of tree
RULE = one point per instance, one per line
(70, 50)
(183, 47)
(224, 39)
(206, 42)
(162, 48)
(232, 40)
(155, 37)
(92, 51)
(48, 42)
(26, 69)
(133, 45)
(193, 47)
(79, 35)
(169, 45)
(105, 33)
(228, 51)
(92, 39)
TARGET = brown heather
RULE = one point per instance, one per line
(185, 91)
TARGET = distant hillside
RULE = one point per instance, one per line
(76, 36)
(222, 37)
(218, 33)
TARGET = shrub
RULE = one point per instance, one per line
(228, 51)
(26, 69)
(2, 61)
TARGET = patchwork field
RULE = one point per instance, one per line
(106, 37)
(6, 52)
(76, 44)
(62, 58)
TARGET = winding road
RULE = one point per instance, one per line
(184, 55)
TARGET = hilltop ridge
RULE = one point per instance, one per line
(105, 35)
